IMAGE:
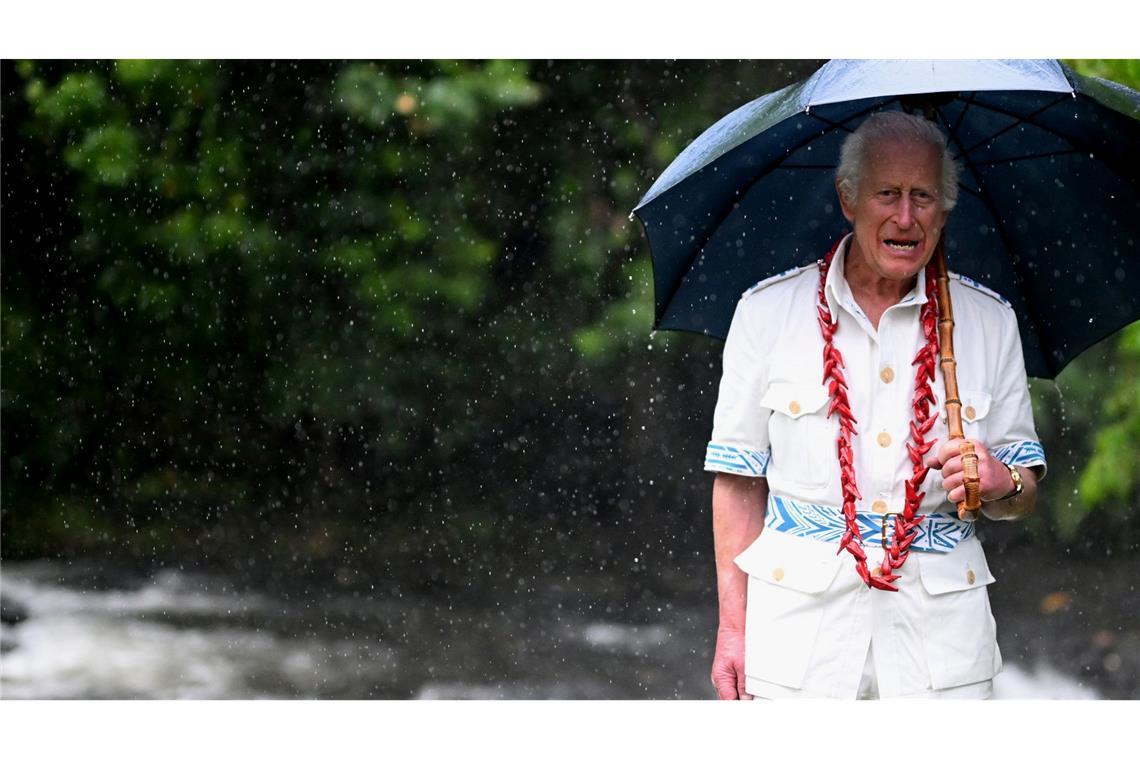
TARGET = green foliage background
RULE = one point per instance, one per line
(390, 311)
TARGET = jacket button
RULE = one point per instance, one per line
(880, 506)
(971, 413)
(887, 374)
(778, 574)
(884, 439)
(794, 407)
(970, 577)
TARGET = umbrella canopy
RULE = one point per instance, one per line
(1048, 211)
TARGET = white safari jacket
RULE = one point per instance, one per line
(810, 620)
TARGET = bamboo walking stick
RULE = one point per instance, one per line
(968, 509)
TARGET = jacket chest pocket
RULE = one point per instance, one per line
(975, 409)
(976, 406)
(802, 436)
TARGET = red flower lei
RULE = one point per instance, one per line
(906, 523)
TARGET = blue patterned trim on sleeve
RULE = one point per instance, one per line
(1023, 453)
(737, 461)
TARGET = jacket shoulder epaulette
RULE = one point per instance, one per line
(979, 287)
(777, 278)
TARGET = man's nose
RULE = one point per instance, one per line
(905, 217)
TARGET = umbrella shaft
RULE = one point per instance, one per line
(973, 502)
(946, 345)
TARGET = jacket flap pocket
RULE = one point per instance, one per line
(794, 399)
(803, 564)
(975, 405)
(962, 568)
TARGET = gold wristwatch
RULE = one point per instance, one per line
(1018, 484)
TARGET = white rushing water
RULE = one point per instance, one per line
(174, 638)
(182, 636)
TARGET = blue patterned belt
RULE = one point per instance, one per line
(938, 532)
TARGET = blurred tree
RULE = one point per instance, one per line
(253, 265)
(1091, 418)
(1112, 475)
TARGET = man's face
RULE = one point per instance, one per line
(896, 212)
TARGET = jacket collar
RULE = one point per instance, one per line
(838, 292)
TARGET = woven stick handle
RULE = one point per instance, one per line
(968, 509)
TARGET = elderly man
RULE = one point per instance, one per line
(811, 603)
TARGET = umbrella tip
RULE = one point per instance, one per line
(631, 216)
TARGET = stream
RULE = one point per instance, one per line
(78, 630)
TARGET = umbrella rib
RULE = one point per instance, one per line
(838, 124)
(1018, 121)
(1019, 280)
(962, 116)
(969, 190)
(1082, 146)
(994, 161)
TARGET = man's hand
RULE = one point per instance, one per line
(738, 506)
(728, 664)
(994, 477)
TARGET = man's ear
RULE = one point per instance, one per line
(848, 211)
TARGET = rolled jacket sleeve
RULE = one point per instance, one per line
(1012, 438)
(739, 443)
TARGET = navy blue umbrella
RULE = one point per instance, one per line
(1048, 211)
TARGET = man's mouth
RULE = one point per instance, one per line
(903, 246)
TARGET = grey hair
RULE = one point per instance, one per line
(894, 125)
